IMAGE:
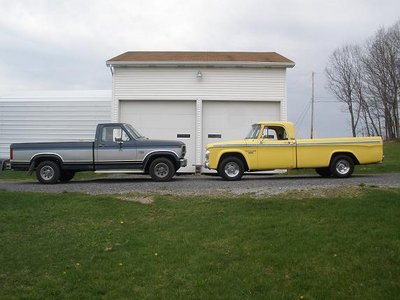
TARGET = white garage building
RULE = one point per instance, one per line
(198, 97)
(51, 116)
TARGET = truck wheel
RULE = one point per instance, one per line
(162, 169)
(323, 172)
(231, 168)
(48, 172)
(342, 166)
(66, 176)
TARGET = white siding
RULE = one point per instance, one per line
(51, 116)
(221, 84)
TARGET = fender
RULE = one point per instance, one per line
(159, 154)
(345, 152)
(233, 152)
(44, 156)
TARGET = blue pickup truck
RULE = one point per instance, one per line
(117, 148)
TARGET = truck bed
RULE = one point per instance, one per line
(318, 152)
(82, 156)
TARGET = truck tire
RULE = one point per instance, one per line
(324, 172)
(48, 172)
(66, 176)
(231, 168)
(342, 166)
(162, 169)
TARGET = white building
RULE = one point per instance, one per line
(46, 116)
(198, 97)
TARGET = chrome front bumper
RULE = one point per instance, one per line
(183, 162)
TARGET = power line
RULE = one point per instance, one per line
(303, 114)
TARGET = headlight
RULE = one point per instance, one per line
(207, 154)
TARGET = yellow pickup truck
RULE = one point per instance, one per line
(272, 145)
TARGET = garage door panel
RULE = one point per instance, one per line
(233, 119)
(163, 120)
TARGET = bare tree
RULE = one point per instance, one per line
(381, 67)
(342, 78)
(367, 80)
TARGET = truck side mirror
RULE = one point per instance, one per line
(119, 141)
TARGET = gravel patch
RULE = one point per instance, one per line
(258, 185)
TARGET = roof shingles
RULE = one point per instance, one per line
(203, 57)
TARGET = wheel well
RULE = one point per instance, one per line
(237, 155)
(171, 157)
(37, 160)
(349, 154)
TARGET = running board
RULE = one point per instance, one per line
(119, 172)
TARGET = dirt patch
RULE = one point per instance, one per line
(342, 192)
(137, 198)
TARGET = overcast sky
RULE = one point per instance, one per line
(63, 45)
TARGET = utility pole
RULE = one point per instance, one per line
(312, 104)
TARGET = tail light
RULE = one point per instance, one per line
(11, 153)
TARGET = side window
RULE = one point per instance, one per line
(274, 133)
(124, 136)
(269, 133)
(114, 134)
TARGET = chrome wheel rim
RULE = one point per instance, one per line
(47, 173)
(232, 169)
(342, 167)
(161, 170)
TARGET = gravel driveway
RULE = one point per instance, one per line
(205, 184)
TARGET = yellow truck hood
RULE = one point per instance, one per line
(228, 143)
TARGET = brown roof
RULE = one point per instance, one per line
(134, 57)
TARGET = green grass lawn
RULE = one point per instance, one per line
(290, 247)
(23, 175)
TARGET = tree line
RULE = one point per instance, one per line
(366, 78)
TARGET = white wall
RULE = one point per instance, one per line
(41, 116)
(220, 84)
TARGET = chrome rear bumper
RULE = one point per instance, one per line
(5, 165)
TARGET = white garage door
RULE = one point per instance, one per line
(231, 120)
(171, 120)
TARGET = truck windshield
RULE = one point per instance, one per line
(255, 130)
(133, 132)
